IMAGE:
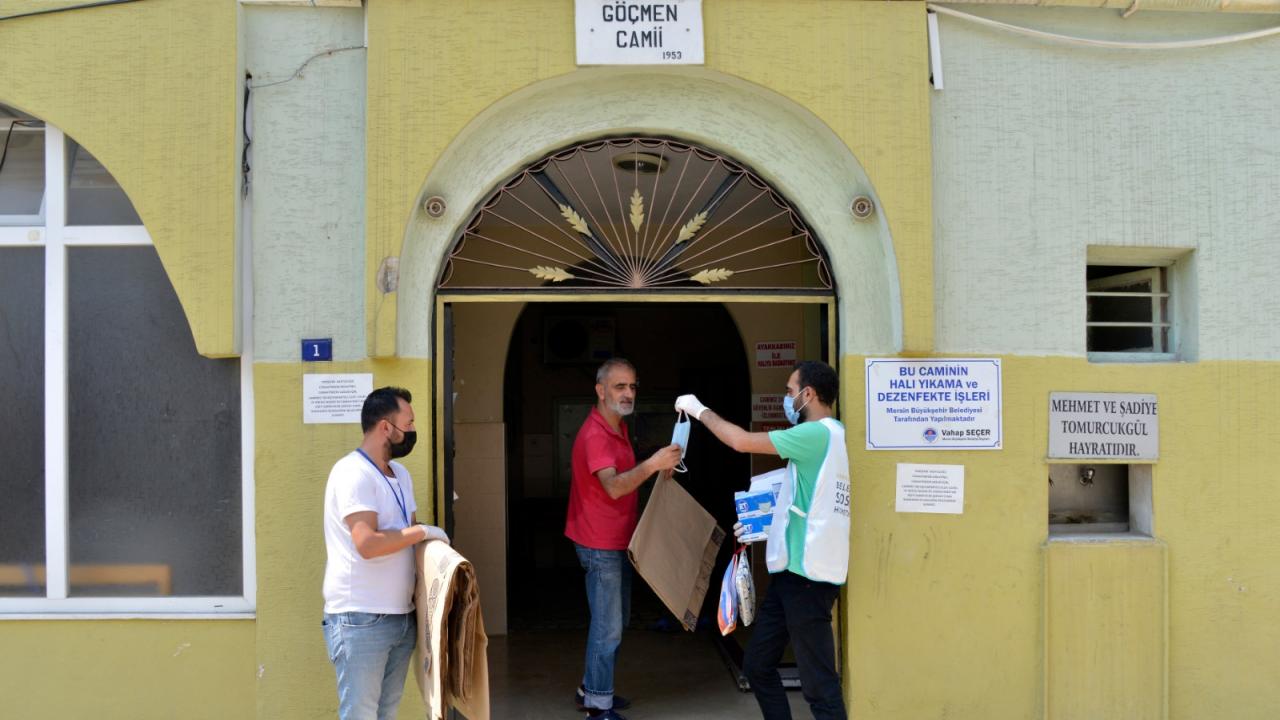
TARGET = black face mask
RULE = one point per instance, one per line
(405, 446)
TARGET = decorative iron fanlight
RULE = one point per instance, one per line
(636, 213)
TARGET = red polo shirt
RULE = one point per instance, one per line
(596, 520)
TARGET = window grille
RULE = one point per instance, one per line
(1128, 310)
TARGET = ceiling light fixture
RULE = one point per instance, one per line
(643, 163)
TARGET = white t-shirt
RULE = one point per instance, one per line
(352, 583)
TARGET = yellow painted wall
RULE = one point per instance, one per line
(151, 89)
(434, 66)
(295, 678)
(1105, 632)
(945, 615)
(136, 669)
(945, 612)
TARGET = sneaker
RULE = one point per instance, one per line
(609, 714)
(580, 701)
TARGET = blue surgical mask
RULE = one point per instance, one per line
(790, 410)
(680, 436)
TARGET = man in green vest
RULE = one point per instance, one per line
(807, 551)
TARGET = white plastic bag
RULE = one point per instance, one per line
(727, 610)
(745, 586)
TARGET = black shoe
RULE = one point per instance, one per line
(609, 714)
(580, 699)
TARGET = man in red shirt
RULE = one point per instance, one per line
(602, 516)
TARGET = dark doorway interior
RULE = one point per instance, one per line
(549, 388)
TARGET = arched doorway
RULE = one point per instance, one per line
(788, 146)
(675, 256)
(636, 213)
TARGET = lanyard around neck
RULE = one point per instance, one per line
(403, 513)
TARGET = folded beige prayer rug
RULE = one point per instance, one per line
(451, 661)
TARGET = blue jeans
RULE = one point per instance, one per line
(609, 596)
(370, 653)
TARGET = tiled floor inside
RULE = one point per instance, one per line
(666, 674)
(666, 671)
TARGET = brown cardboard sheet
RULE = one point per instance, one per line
(674, 548)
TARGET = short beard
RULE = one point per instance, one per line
(623, 411)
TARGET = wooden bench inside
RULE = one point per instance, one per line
(89, 575)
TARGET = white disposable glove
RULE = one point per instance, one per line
(431, 532)
(690, 405)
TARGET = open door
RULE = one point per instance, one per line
(445, 356)
(515, 381)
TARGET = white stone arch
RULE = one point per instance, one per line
(784, 143)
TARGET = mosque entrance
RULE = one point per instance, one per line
(521, 378)
(691, 267)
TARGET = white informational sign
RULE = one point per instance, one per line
(767, 409)
(933, 404)
(776, 354)
(930, 488)
(1109, 426)
(334, 397)
(639, 33)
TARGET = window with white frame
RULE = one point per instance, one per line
(121, 459)
(1128, 311)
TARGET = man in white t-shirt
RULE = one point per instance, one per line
(370, 528)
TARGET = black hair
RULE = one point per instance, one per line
(382, 403)
(819, 376)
